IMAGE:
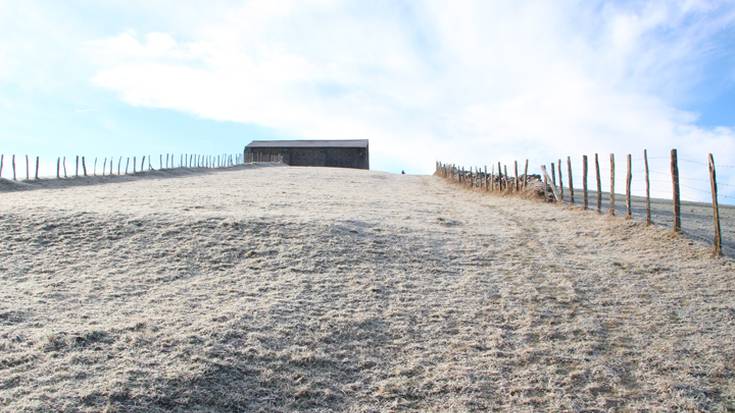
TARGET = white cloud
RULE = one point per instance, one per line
(469, 82)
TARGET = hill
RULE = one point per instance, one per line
(317, 289)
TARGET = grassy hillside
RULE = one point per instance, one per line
(315, 289)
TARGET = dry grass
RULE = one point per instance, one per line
(283, 289)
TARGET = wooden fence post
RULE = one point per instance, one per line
(14, 177)
(2, 162)
(561, 182)
(37, 162)
(84, 166)
(76, 167)
(492, 177)
(546, 180)
(119, 161)
(517, 183)
(94, 171)
(628, 182)
(571, 184)
(525, 175)
(612, 184)
(648, 189)
(676, 195)
(112, 158)
(58, 168)
(500, 176)
(28, 173)
(127, 164)
(553, 175)
(715, 207)
(135, 165)
(63, 163)
(505, 172)
(599, 184)
(104, 166)
(585, 203)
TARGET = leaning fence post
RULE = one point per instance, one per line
(584, 182)
(546, 181)
(37, 161)
(676, 195)
(58, 168)
(612, 184)
(715, 207)
(127, 164)
(63, 163)
(104, 166)
(84, 166)
(628, 181)
(553, 174)
(571, 185)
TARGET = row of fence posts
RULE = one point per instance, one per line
(251, 157)
(480, 178)
(191, 161)
(502, 182)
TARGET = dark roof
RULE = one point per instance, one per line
(344, 143)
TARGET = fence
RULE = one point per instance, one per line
(546, 185)
(251, 157)
(120, 166)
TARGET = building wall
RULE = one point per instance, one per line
(332, 157)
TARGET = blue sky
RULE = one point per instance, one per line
(471, 82)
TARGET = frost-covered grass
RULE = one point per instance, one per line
(314, 289)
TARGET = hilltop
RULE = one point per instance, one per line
(320, 289)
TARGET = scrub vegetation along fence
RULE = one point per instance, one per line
(550, 185)
(81, 166)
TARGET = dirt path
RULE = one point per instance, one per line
(314, 289)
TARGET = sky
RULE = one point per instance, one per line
(466, 82)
